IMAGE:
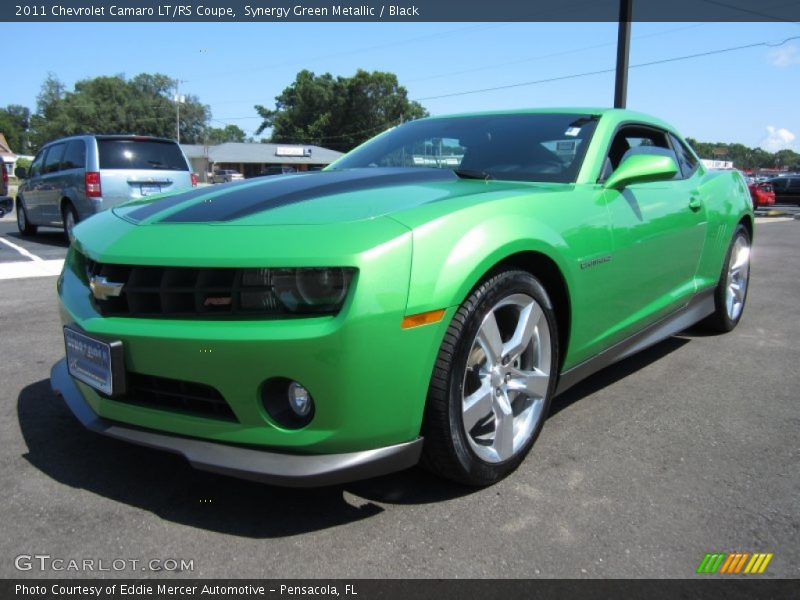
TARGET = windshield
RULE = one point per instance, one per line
(520, 147)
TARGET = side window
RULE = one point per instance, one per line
(53, 160)
(74, 155)
(36, 165)
(635, 140)
(794, 184)
(686, 160)
(779, 183)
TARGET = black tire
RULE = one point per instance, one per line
(68, 211)
(447, 450)
(23, 224)
(721, 320)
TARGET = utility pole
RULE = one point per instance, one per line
(178, 100)
(623, 53)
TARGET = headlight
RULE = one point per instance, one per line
(318, 290)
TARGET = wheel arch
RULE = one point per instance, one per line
(747, 222)
(549, 274)
(62, 204)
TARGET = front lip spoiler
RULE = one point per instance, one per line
(290, 470)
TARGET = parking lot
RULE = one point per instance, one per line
(687, 448)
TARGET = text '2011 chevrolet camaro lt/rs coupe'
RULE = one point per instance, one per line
(422, 299)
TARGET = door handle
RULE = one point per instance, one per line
(695, 203)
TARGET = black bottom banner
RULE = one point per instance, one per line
(367, 589)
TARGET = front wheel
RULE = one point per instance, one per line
(731, 293)
(493, 381)
(25, 227)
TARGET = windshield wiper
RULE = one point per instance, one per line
(472, 174)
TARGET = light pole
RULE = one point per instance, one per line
(178, 101)
(623, 52)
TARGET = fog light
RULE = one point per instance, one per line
(287, 402)
(299, 399)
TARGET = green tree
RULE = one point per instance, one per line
(340, 112)
(14, 124)
(744, 157)
(143, 105)
(229, 133)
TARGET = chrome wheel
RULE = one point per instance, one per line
(21, 220)
(737, 278)
(507, 378)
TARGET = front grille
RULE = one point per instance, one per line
(176, 396)
(183, 292)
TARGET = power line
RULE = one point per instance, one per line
(549, 55)
(611, 70)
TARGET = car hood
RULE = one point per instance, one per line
(335, 196)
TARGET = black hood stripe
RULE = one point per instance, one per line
(155, 207)
(279, 191)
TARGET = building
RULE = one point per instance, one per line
(253, 160)
(7, 156)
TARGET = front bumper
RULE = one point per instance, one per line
(292, 470)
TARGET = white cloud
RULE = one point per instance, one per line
(785, 56)
(778, 138)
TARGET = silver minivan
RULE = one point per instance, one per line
(73, 178)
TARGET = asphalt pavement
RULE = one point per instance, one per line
(689, 447)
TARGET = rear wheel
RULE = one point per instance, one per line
(493, 381)
(70, 219)
(731, 293)
(25, 227)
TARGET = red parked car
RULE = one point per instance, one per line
(762, 194)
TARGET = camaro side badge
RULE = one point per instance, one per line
(595, 261)
(103, 289)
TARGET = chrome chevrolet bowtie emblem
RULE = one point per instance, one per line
(103, 289)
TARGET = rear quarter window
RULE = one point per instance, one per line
(141, 155)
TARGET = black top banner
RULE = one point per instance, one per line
(271, 11)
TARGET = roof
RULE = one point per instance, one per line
(580, 110)
(194, 150)
(234, 152)
(5, 149)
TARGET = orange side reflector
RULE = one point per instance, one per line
(432, 316)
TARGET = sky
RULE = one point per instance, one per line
(748, 96)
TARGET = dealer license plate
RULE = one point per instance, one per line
(90, 360)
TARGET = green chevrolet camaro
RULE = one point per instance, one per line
(423, 299)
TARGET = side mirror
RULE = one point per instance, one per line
(21, 173)
(642, 168)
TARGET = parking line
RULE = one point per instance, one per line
(20, 249)
(31, 268)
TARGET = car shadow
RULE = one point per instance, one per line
(615, 372)
(47, 237)
(164, 484)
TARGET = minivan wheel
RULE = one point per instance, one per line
(25, 227)
(70, 219)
